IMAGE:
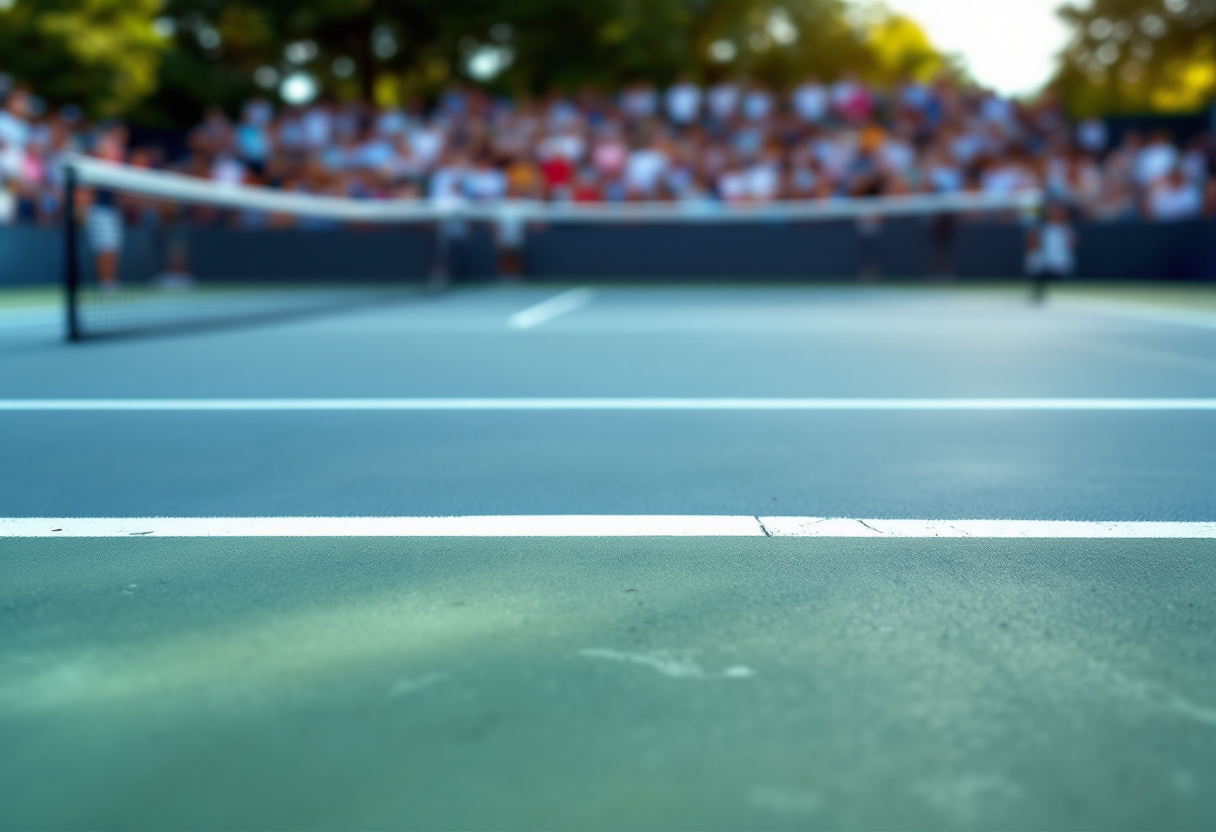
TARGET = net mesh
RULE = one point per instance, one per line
(151, 250)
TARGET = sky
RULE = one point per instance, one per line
(1006, 44)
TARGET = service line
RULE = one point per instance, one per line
(640, 404)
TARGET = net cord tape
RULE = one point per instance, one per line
(189, 189)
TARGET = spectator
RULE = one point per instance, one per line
(723, 102)
(14, 120)
(811, 101)
(757, 103)
(683, 102)
(1156, 160)
(643, 169)
(640, 102)
(1092, 135)
(1173, 197)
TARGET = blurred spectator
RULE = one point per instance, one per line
(684, 102)
(1092, 135)
(733, 141)
(811, 101)
(1173, 197)
(1156, 160)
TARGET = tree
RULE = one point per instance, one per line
(99, 54)
(197, 53)
(902, 49)
(1139, 56)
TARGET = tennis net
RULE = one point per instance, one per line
(152, 250)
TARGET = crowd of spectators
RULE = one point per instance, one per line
(733, 142)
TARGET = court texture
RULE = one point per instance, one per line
(616, 557)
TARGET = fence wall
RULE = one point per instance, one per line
(901, 248)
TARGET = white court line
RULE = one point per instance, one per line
(592, 404)
(590, 526)
(547, 310)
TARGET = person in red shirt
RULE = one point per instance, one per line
(587, 186)
(558, 173)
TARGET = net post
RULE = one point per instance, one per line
(71, 258)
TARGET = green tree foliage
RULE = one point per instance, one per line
(102, 55)
(1139, 56)
(197, 53)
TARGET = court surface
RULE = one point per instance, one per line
(709, 673)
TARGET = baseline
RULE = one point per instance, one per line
(592, 526)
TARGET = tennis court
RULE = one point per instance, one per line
(593, 586)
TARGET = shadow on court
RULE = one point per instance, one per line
(597, 684)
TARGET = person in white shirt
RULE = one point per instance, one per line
(447, 182)
(683, 102)
(996, 110)
(836, 153)
(14, 120)
(568, 142)
(1050, 254)
(757, 103)
(1173, 198)
(228, 170)
(640, 102)
(914, 95)
(643, 169)
(376, 152)
(391, 122)
(318, 126)
(288, 133)
(942, 175)
(447, 190)
(1155, 161)
(722, 101)
(1006, 178)
(897, 155)
(764, 178)
(427, 142)
(404, 165)
(811, 101)
(1092, 135)
(732, 184)
(484, 182)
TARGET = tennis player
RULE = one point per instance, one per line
(1050, 252)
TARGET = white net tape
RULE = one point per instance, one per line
(188, 189)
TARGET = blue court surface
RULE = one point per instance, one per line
(616, 558)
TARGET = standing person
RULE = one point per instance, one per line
(104, 219)
(1050, 253)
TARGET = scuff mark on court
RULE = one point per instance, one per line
(675, 664)
(405, 687)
